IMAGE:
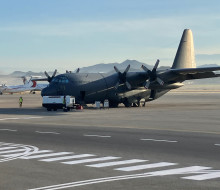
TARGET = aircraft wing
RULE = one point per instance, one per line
(39, 79)
(196, 73)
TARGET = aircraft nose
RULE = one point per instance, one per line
(48, 91)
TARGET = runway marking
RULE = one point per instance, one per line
(47, 132)
(17, 118)
(3, 119)
(146, 166)
(91, 160)
(26, 150)
(32, 118)
(8, 147)
(212, 175)
(46, 155)
(107, 164)
(12, 130)
(101, 136)
(67, 157)
(217, 144)
(10, 151)
(21, 154)
(178, 171)
(159, 140)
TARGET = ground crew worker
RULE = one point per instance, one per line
(20, 101)
(64, 101)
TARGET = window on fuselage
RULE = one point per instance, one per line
(61, 79)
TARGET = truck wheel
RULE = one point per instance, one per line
(55, 109)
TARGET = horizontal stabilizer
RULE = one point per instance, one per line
(186, 71)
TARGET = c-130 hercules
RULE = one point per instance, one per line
(130, 87)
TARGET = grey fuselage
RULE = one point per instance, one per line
(91, 87)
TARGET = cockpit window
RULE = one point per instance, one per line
(61, 79)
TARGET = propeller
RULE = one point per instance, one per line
(152, 75)
(122, 77)
(77, 71)
(50, 78)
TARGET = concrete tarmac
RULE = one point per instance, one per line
(172, 143)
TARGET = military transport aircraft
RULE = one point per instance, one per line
(130, 87)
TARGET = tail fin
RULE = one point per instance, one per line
(185, 55)
(25, 81)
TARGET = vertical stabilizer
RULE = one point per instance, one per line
(25, 81)
(185, 55)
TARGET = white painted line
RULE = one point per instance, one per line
(10, 151)
(8, 147)
(21, 154)
(46, 155)
(210, 175)
(16, 118)
(91, 160)
(180, 171)
(217, 144)
(158, 140)
(32, 118)
(67, 157)
(123, 177)
(47, 132)
(101, 136)
(106, 164)
(147, 166)
(8, 130)
(12, 118)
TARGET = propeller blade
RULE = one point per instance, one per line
(117, 85)
(77, 71)
(47, 75)
(160, 81)
(144, 68)
(127, 69)
(116, 69)
(128, 85)
(156, 65)
(147, 85)
(54, 73)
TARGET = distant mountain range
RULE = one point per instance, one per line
(103, 68)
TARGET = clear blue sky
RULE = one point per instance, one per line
(43, 35)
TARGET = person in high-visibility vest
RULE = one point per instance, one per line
(64, 101)
(20, 102)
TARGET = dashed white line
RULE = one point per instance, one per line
(16, 118)
(106, 164)
(67, 157)
(146, 166)
(47, 132)
(12, 130)
(101, 136)
(91, 160)
(159, 140)
(46, 155)
(12, 118)
(217, 144)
